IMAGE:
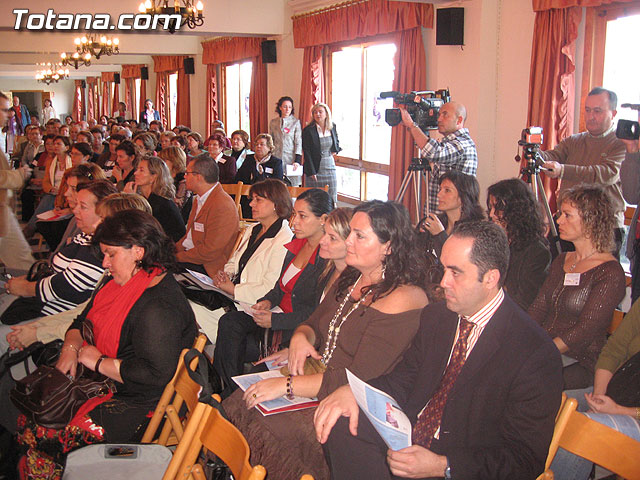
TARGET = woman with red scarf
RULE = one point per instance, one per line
(141, 321)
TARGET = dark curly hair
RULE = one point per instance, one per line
(404, 265)
(517, 208)
(134, 227)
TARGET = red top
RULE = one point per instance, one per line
(294, 246)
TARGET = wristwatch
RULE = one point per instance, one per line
(447, 471)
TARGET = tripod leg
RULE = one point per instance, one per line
(547, 209)
(403, 187)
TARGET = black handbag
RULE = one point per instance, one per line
(624, 386)
(24, 362)
(39, 270)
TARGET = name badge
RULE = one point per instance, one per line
(268, 170)
(286, 130)
(198, 227)
(571, 279)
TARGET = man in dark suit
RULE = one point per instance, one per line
(213, 225)
(481, 382)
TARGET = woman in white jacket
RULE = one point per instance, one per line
(287, 138)
(254, 267)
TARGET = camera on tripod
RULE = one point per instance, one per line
(530, 141)
(423, 107)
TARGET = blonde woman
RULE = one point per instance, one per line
(319, 144)
(176, 160)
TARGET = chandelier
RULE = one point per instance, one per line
(190, 11)
(76, 60)
(96, 48)
(52, 73)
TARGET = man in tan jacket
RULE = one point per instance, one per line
(15, 252)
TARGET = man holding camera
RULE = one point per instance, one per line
(456, 150)
(593, 156)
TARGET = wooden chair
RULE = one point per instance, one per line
(180, 390)
(601, 445)
(567, 406)
(296, 191)
(235, 190)
(618, 316)
(222, 439)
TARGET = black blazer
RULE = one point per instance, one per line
(528, 268)
(305, 296)
(168, 215)
(500, 414)
(311, 148)
(248, 173)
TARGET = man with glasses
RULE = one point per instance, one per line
(15, 252)
(213, 223)
(593, 156)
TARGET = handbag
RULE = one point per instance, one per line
(311, 366)
(624, 386)
(24, 362)
(39, 270)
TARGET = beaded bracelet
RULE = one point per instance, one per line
(290, 387)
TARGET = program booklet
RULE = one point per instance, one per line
(277, 405)
(383, 412)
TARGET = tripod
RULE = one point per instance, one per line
(532, 171)
(416, 172)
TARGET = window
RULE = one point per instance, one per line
(136, 99)
(173, 99)
(358, 75)
(236, 88)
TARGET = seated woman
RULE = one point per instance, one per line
(239, 146)
(176, 160)
(255, 266)
(226, 164)
(28, 195)
(365, 322)
(146, 143)
(108, 158)
(576, 302)
(81, 152)
(605, 404)
(458, 200)
(259, 166)
(154, 182)
(76, 268)
(53, 327)
(511, 204)
(127, 160)
(195, 144)
(141, 321)
(165, 138)
(296, 292)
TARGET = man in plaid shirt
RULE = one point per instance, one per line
(456, 150)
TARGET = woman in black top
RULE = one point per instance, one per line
(154, 182)
(511, 204)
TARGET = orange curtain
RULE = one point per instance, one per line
(411, 71)
(541, 5)
(234, 49)
(131, 70)
(77, 101)
(183, 115)
(107, 80)
(169, 64)
(358, 20)
(312, 88)
(212, 97)
(161, 98)
(552, 79)
(92, 103)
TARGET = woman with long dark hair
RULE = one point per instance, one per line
(459, 201)
(512, 206)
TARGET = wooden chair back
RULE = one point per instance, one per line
(296, 191)
(618, 316)
(235, 190)
(180, 390)
(601, 445)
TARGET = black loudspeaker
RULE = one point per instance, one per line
(189, 67)
(144, 73)
(450, 26)
(116, 78)
(269, 51)
(84, 84)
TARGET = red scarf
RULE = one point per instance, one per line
(111, 307)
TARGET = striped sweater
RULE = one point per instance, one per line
(78, 270)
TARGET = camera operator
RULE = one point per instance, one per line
(630, 176)
(593, 156)
(456, 150)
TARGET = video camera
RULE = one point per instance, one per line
(423, 107)
(531, 141)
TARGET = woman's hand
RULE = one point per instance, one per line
(299, 350)
(21, 287)
(68, 361)
(130, 187)
(602, 404)
(223, 282)
(117, 173)
(262, 305)
(265, 390)
(22, 336)
(88, 356)
(296, 166)
(262, 318)
(433, 225)
(314, 178)
(278, 358)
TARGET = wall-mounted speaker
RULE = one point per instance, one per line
(144, 73)
(450, 26)
(84, 84)
(116, 78)
(189, 67)
(269, 51)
